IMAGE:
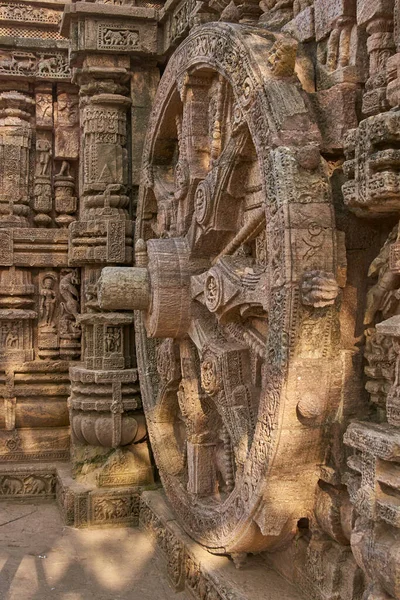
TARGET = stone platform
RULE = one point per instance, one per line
(42, 559)
(80, 505)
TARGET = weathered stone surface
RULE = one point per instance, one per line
(202, 286)
(200, 573)
(63, 162)
(327, 13)
(262, 171)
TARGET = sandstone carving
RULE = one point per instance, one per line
(239, 335)
(204, 267)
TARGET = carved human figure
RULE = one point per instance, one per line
(338, 50)
(181, 179)
(112, 339)
(44, 155)
(91, 297)
(64, 169)
(12, 338)
(48, 299)
(44, 108)
(67, 109)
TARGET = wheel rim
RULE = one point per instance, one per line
(237, 374)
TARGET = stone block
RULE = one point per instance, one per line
(328, 11)
(368, 10)
(336, 110)
(302, 26)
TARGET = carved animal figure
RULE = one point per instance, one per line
(12, 339)
(47, 65)
(131, 38)
(11, 486)
(69, 292)
(113, 38)
(8, 62)
(35, 485)
(25, 64)
(111, 509)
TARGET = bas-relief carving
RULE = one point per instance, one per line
(109, 446)
(371, 191)
(228, 304)
(32, 64)
(235, 333)
(116, 38)
(67, 126)
(27, 485)
(37, 191)
(29, 14)
(247, 386)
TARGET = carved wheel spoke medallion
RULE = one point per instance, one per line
(236, 290)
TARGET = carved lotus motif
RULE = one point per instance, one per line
(97, 430)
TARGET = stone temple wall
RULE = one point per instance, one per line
(244, 156)
(69, 129)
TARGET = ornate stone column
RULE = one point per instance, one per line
(34, 303)
(373, 477)
(108, 432)
(15, 143)
(377, 18)
(108, 428)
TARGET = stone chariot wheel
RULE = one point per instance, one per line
(234, 289)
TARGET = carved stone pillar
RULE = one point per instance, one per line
(393, 63)
(105, 401)
(15, 143)
(373, 478)
(341, 66)
(340, 44)
(377, 18)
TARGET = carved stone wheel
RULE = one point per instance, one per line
(237, 328)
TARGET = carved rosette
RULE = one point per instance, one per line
(236, 257)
